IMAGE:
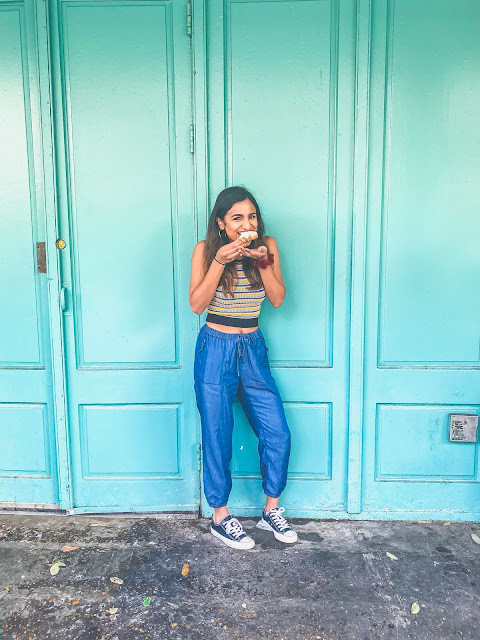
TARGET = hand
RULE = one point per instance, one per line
(231, 251)
(257, 254)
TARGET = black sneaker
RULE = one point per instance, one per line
(274, 521)
(231, 532)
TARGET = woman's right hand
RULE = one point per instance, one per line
(231, 251)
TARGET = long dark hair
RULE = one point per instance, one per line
(224, 202)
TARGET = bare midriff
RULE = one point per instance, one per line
(225, 329)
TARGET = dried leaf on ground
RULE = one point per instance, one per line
(415, 608)
(116, 580)
(52, 599)
(475, 538)
(185, 569)
(76, 602)
(67, 547)
(445, 524)
(112, 610)
(7, 588)
(390, 555)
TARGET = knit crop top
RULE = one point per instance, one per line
(240, 311)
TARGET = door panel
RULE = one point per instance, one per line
(27, 435)
(422, 357)
(126, 215)
(280, 97)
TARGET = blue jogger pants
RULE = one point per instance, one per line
(229, 364)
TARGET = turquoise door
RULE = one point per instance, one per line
(422, 320)
(28, 341)
(356, 126)
(280, 115)
(122, 105)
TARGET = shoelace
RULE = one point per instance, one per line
(234, 528)
(277, 518)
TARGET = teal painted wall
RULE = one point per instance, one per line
(356, 126)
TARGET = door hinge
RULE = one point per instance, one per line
(189, 18)
(192, 139)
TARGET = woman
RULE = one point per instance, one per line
(230, 279)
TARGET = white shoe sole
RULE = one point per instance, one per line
(261, 524)
(233, 543)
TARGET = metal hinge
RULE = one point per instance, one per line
(189, 18)
(192, 139)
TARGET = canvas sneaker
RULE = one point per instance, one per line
(231, 532)
(273, 520)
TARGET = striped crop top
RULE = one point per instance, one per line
(240, 311)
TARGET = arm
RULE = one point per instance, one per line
(203, 285)
(272, 274)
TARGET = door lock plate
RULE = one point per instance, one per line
(41, 258)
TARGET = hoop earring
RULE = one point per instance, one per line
(219, 232)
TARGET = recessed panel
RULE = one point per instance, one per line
(118, 79)
(412, 442)
(19, 329)
(430, 264)
(310, 457)
(126, 440)
(23, 438)
(280, 105)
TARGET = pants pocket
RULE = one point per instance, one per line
(209, 361)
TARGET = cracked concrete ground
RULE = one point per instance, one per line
(336, 583)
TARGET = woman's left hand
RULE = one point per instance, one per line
(257, 254)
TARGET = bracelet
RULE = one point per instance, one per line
(220, 262)
(263, 264)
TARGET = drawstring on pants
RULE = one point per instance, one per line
(241, 348)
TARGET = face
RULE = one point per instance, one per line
(241, 217)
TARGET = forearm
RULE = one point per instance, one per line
(274, 289)
(202, 295)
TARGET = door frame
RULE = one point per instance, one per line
(41, 17)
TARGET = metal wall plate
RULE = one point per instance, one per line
(463, 427)
(41, 258)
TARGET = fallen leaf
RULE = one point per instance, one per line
(55, 568)
(76, 602)
(173, 625)
(96, 524)
(7, 588)
(475, 538)
(146, 602)
(390, 555)
(112, 610)
(445, 524)
(185, 569)
(67, 547)
(415, 608)
(116, 580)
(52, 599)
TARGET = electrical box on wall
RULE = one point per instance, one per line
(463, 427)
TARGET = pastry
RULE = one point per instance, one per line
(248, 236)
